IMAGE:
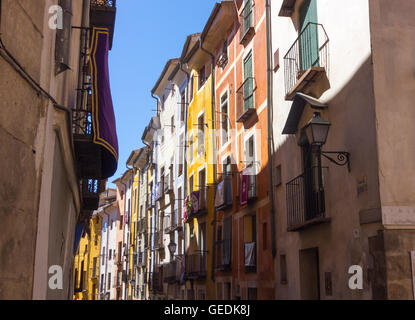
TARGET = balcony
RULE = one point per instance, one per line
(173, 222)
(250, 256)
(307, 60)
(142, 259)
(171, 272)
(91, 189)
(168, 184)
(93, 273)
(305, 207)
(248, 188)
(223, 198)
(103, 14)
(156, 281)
(197, 206)
(87, 153)
(245, 100)
(223, 255)
(158, 240)
(159, 190)
(196, 265)
(142, 225)
(247, 30)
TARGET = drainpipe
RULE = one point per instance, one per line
(214, 154)
(270, 122)
(185, 145)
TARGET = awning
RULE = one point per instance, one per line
(297, 109)
(103, 119)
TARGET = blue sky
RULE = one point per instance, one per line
(147, 34)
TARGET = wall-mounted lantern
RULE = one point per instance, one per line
(317, 130)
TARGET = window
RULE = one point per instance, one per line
(181, 160)
(248, 21)
(109, 255)
(182, 105)
(250, 151)
(163, 100)
(179, 205)
(121, 222)
(248, 86)
(172, 124)
(224, 117)
(109, 281)
(191, 149)
(250, 243)
(227, 166)
(191, 184)
(96, 240)
(191, 87)
(102, 282)
(201, 135)
(202, 77)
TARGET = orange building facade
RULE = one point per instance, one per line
(236, 33)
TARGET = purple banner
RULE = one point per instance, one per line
(103, 119)
(244, 189)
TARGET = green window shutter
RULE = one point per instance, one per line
(247, 15)
(309, 47)
(249, 83)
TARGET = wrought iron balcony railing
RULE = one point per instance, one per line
(158, 240)
(245, 99)
(173, 221)
(196, 265)
(170, 272)
(91, 188)
(305, 206)
(82, 122)
(307, 57)
(247, 22)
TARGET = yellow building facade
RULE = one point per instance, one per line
(87, 261)
(200, 178)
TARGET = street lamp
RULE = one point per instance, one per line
(172, 247)
(317, 130)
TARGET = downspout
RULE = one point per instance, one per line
(270, 122)
(213, 154)
(185, 144)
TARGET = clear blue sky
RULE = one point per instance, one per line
(147, 34)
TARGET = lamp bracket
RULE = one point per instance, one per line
(343, 157)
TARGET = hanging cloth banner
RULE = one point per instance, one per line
(103, 119)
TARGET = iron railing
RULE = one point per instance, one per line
(310, 49)
(158, 240)
(103, 3)
(173, 221)
(246, 20)
(245, 99)
(196, 265)
(82, 122)
(303, 202)
(170, 271)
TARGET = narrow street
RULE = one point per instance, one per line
(207, 150)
